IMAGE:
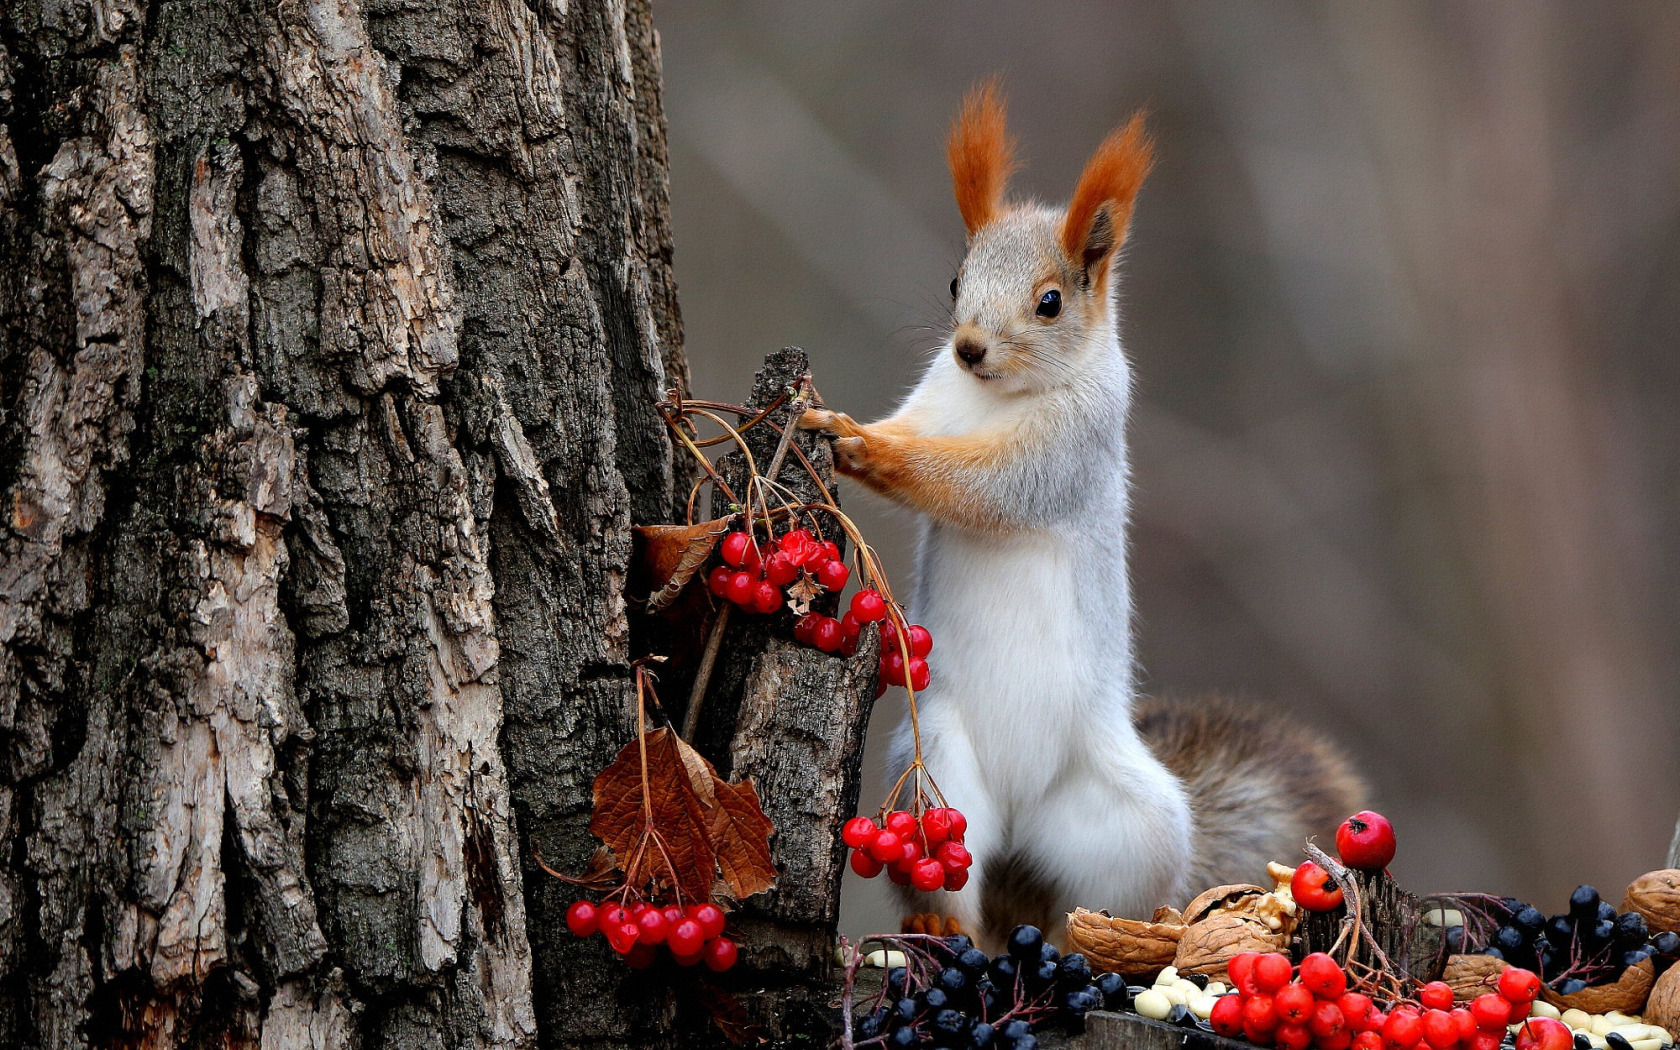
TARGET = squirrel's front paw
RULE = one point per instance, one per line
(850, 455)
(838, 424)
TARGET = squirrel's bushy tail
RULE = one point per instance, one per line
(1259, 784)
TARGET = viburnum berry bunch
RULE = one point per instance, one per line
(1295, 1009)
(639, 929)
(763, 575)
(925, 851)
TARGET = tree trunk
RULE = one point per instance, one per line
(328, 339)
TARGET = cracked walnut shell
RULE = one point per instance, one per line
(1656, 895)
(1208, 946)
(1129, 947)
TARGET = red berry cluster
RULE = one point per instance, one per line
(636, 932)
(1316, 1010)
(894, 671)
(927, 853)
(753, 575)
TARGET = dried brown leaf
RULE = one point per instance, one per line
(698, 821)
(801, 593)
(674, 553)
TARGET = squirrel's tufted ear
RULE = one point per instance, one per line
(981, 155)
(1102, 204)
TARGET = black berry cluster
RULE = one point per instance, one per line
(963, 1000)
(1587, 944)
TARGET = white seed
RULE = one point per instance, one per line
(1188, 987)
(1167, 975)
(1216, 989)
(1597, 1041)
(884, 960)
(1601, 1025)
(1173, 994)
(1645, 1044)
(1542, 1008)
(1151, 1003)
(1579, 1020)
(1202, 1006)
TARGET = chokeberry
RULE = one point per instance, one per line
(1024, 942)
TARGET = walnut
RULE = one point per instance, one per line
(1207, 946)
(1126, 946)
(1220, 898)
(1662, 1008)
(1471, 975)
(1656, 895)
(1627, 995)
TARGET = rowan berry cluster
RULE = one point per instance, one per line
(637, 932)
(1316, 1010)
(755, 575)
(926, 852)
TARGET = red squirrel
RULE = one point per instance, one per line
(1012, 448)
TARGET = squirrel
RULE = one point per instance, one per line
(1012, 449)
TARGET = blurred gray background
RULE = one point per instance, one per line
(1403, 298)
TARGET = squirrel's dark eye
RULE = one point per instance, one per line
(1050, 303)
(953, 287)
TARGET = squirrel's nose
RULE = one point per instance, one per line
(970, 351)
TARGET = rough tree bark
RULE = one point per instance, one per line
(328, 335)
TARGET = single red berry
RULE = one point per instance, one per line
(741, 586)
(720, 954)
(1374, 1021)
(1227, 1016)
(1492, 1012)
(1367, 1040)
(641, 956)
(1260, 1014)
(653, 927)
(886, 846)
(1519, 1011)
(826, 635)
(622, 936)
(752, 560)
(710, 918)
(799, 547)
(832, 575)
(673, 914)
(1355, 1007)
(717, 581)
(734, 548)
(1439, 1031)
(868, 606)
(1487, 1040)
(850, 629)
(804, 628)
(955, 879)
(1292, 1036)
(936, 825)
(921, 642)
(928, 875)
(1436, 995)
(779, 571)
(901, 823)
(898, 874)
(1544, 1033)
(1402, 1031)
(892, 668)
(1241, 971)
(917, 673)
(685, 937)
(1271, 972)
(1294, 1004)
(1519, 986)
(1339, 1041)
(1366, 841)
(954, 855)
(767, 597)
(864, 864)
(582, 919)
(1465, 1022)
(830, 550)
(889, 635)
(912, 853)
(1327, 1020)
(858, 831)
(612, 915)
(1313, 888)
(1322, 976)
(959, 824)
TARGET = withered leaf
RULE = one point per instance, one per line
(801, 593)
(697, 822)
(674, 553)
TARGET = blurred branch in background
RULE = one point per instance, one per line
(1403, 298)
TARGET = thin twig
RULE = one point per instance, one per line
(703, 674)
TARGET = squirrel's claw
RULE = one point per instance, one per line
(849, 454)
(816, 419)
